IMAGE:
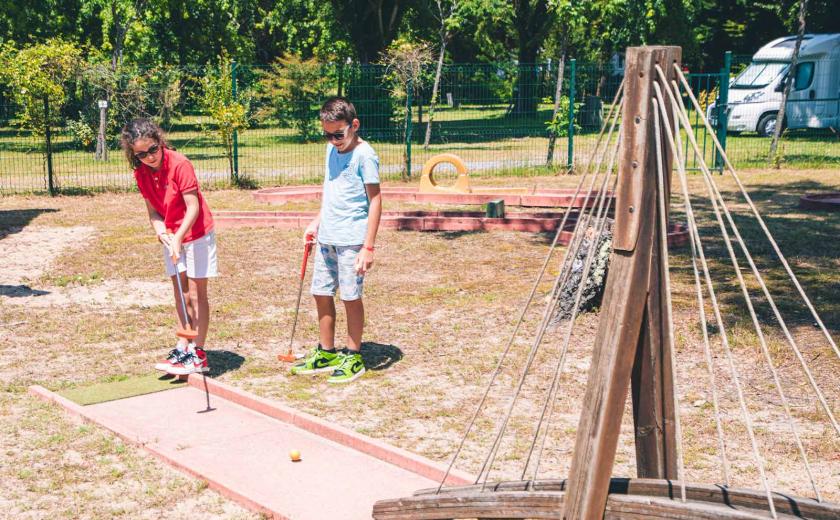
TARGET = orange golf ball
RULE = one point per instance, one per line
(294, 455)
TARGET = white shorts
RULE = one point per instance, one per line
(198, 258)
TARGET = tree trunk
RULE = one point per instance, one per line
(558, 92)
(433, 102)
(525, 100)
(803, 7)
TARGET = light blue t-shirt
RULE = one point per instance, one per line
(345, 204)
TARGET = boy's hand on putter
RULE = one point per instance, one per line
(311, 233)
(175, 246)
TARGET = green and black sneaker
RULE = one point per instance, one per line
(319, 360)
(351, 367)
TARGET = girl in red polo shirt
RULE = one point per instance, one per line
(181, 218)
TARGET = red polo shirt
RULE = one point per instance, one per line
(165, 188)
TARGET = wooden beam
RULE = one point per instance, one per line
(625, 295)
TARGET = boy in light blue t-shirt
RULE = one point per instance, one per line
(345, 230)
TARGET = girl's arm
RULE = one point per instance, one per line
(157, 224)
(191, 201)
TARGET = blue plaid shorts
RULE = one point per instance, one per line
(335, 269)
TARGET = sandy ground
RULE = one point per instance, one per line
(82, 294)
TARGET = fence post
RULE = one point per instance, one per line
(235, 133)
(408, 96)
(722, 105)
(570, 160)
(48, 141)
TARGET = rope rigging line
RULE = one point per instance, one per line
(695, 235)
(665, 267)
(748, 300)
(614, 107)
(548, 407)
(675, 144)
(709, 179)
(755, 211)
(562, 276)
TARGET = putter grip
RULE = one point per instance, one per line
(306, 250)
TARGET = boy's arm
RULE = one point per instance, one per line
(365, 259)
(312, 228)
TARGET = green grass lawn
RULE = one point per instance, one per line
(484, 136)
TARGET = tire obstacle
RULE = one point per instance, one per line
(634, 345)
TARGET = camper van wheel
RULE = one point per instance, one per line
(766, 125)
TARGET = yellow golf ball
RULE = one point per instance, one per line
(294, 455)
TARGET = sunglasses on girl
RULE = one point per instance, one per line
(338, 136)
(155, 148)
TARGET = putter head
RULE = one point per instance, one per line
(287, 358)
(186, 333)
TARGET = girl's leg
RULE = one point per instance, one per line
(326, 321)
(199, 307)
(355, 323)
(179, 312)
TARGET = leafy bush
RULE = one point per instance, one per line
(83, 135)
(559, 126)
(292, 91)
(228, 114)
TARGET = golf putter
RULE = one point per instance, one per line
(289, 357)
(188, 333)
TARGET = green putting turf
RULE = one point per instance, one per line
(121, 388)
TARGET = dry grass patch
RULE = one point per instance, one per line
(440, 310)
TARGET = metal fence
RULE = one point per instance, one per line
(498, 118)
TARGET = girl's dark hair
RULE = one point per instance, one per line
(138, 129)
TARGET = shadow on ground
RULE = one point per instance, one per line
(20, 291)
(14, 220)
(222, 361)
(378, 356)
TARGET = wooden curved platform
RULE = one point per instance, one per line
(821, 201)
(628, 499)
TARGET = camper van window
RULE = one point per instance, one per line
(759, 74)
(804, 75)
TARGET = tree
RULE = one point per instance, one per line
(292, 90)
(533, 20)
(404, 62)
(228, 113)
(37, 75)
(371, 24)
(789, 79)
(450, 19)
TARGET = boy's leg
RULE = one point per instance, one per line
(355, 323)
(326, 321)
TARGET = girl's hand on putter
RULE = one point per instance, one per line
(175, 246)
(165, 239)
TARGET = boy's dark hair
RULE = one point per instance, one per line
(138, 129)
(338, 109)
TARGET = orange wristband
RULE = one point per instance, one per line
(368, 248)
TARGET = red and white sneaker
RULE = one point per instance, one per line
(193, 361)
(172, 358)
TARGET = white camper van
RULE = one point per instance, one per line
(814, 100)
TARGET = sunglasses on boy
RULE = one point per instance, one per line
(155, 148)
(338, 136)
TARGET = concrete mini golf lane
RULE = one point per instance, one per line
(245, 455)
